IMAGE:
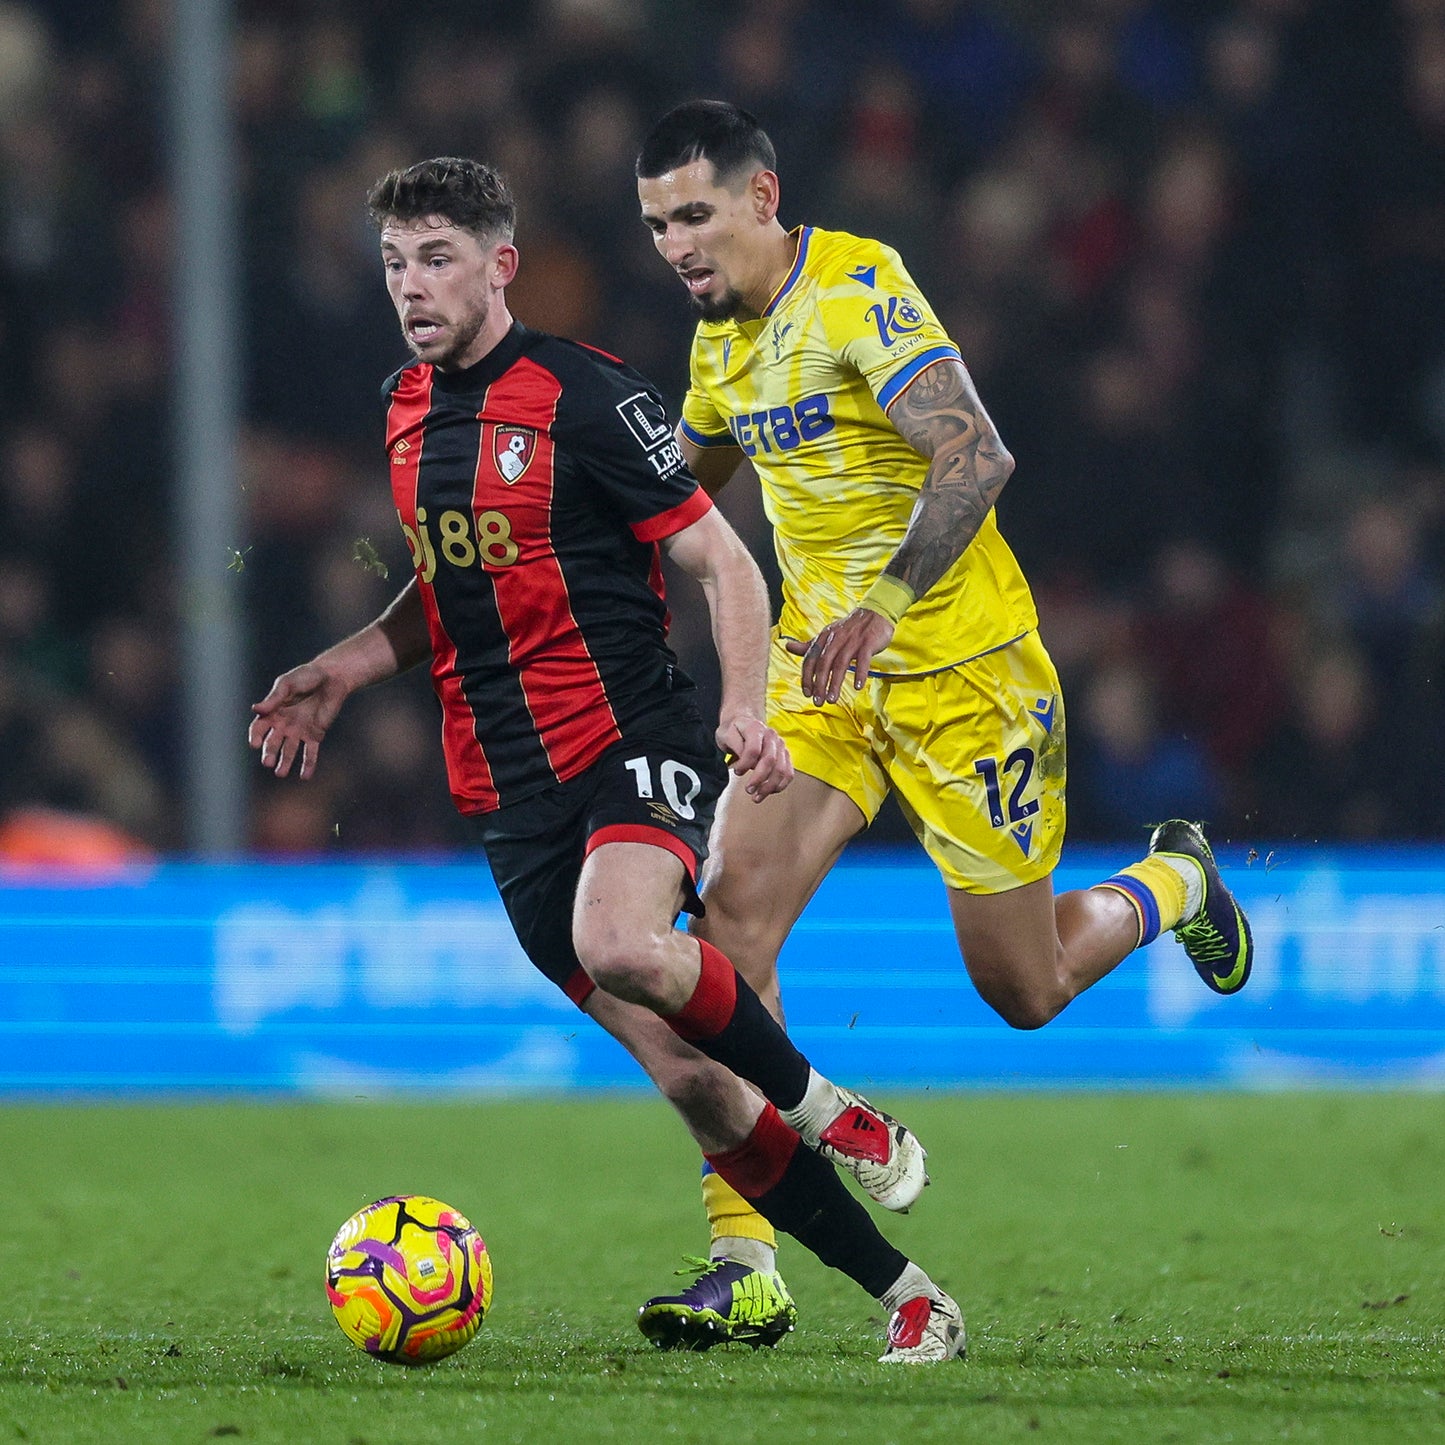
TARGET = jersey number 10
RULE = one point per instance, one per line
(680, 785)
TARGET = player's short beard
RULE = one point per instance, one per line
(468, 329)
(719, 308)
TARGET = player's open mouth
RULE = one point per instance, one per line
(420, 330)
(696, 281)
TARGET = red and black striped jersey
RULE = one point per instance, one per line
(532, 489)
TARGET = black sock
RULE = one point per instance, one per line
(728, 1022)
(799, 1192)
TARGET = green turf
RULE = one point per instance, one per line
(1137, 1268)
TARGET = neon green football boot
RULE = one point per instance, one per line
(1217, 939)
(726, 1301)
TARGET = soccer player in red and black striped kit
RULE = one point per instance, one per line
(535, 479)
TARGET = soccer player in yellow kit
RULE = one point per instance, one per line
(907, 656)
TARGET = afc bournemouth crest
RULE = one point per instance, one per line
(513, 447)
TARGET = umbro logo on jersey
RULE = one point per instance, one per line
(645, 420)
(863, 274)
(398, 452)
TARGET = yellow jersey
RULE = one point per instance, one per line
(804, 391)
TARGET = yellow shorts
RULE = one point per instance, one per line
(975, 754)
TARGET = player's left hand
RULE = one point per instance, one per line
(754, 751)
(840, 647)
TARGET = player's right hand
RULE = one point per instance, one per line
(848, 645)
(293, 717)
(755, 752)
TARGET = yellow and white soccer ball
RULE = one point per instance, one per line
(409, 1279)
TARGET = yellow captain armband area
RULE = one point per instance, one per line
(889, 598)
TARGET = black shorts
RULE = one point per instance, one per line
(660, 787)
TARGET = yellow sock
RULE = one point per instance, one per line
(1157, 892)
(730, 1216)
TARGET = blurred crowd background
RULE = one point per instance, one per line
(1193, 252)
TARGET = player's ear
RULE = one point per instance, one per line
(765, 194)
(506, 261)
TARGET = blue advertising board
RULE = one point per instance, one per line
(371, 978)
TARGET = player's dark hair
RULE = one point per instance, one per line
(707, 130)
(463, 193)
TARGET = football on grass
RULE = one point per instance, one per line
(409, 1279)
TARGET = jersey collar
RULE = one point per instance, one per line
(489, 368)
(804, 234)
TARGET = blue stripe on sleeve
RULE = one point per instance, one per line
(900, 378)
(699, 440)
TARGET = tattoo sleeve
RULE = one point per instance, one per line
(941, 417)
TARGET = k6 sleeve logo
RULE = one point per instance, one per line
(895, 318)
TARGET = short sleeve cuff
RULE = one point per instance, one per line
(894, 387)
(698, 439)
(664, 524)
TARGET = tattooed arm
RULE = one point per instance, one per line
(940, 416)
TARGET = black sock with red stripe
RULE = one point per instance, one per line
(799, 1192)
(728, 1022)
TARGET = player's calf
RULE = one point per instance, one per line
(727, 1021)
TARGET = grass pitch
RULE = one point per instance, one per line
(1141, 1268)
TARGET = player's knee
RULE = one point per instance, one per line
(630, 968)
(630, 979)
(1026, 1014)
(1023, 1008)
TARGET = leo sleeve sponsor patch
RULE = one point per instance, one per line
(646, 420)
